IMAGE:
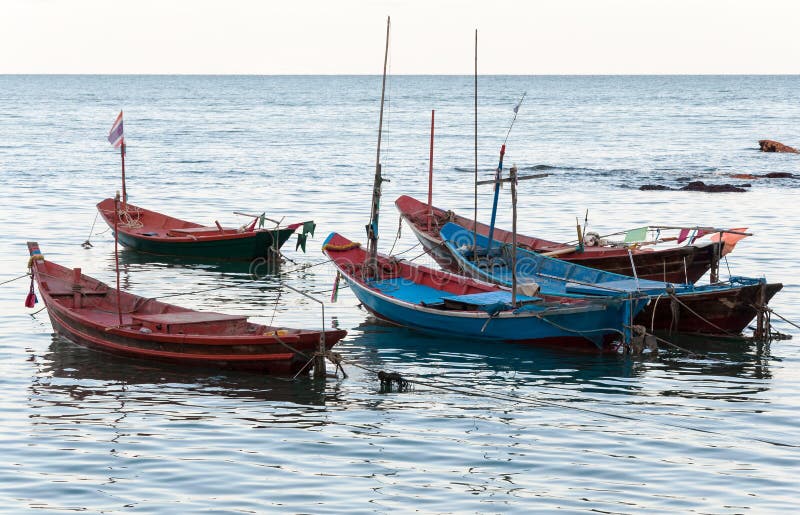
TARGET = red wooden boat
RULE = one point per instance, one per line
(156, 233)
(90, 313)
(679, 264)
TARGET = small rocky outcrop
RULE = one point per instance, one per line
(696, 186)
(712, 188)
(771, 175)
(768, 145)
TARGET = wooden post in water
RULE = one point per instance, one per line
(372, 228)
(761, 326)
(430, 176)
(319, 359)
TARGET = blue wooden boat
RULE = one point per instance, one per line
(719, 308)
(439, 302)
(442, 303)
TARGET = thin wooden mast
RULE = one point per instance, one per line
(475, 214)
(372, 228)
(430, 175)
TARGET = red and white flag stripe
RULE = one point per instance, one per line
(116, 136)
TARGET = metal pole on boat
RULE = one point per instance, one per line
(498, 176)
(319, 358)
(475, 214)
(116, 250)
(430, 176)
(513, 179)
(372, 228)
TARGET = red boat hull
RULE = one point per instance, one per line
(86, 312)
(722, 312)
(685, 264)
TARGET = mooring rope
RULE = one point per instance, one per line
(782, 318)
(14, 279)
(87, 244)
(399, 233)
(709, 322)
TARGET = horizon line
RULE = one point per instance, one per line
(212, 74)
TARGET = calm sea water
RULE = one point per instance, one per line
(491, 427)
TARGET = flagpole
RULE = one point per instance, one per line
(124, 192)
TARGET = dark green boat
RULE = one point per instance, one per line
(155, 233)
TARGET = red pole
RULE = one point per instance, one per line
(76, 288)
(430, 177)
(122, 154)
(116, 249)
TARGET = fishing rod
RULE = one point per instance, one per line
(498, 175)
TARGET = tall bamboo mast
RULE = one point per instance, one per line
(372, 228)
(475, 214)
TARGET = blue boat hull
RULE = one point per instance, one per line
(722, 308)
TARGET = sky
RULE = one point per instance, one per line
(428, 37)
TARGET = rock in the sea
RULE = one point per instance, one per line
(654, 187)
(767, 145)
(712, 188)
(771, 175)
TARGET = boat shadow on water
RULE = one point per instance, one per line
(258, 268)
(70, 370)
(378, 345)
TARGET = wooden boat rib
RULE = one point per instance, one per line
(720, 308)
(686, 263)
(156, 233)
(456, 306)
(85, 311)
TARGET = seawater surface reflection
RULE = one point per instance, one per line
(483, 427)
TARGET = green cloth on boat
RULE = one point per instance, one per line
(301, 242)
(261, 220)
(308, 227)
(635, 235)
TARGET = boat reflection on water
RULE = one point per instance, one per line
(474, 364)
(742, 358)
(258, 268)
(68, 370)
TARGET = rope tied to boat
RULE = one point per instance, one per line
(772, 312)
(341, 248)
(131, 222)
(36, 256)
(675, 300)
(333, 357)
(88, 244)
(15, 279)
(337, 360)
(641, 339)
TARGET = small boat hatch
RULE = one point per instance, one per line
(192, 322)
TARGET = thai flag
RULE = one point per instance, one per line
(116, 136)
